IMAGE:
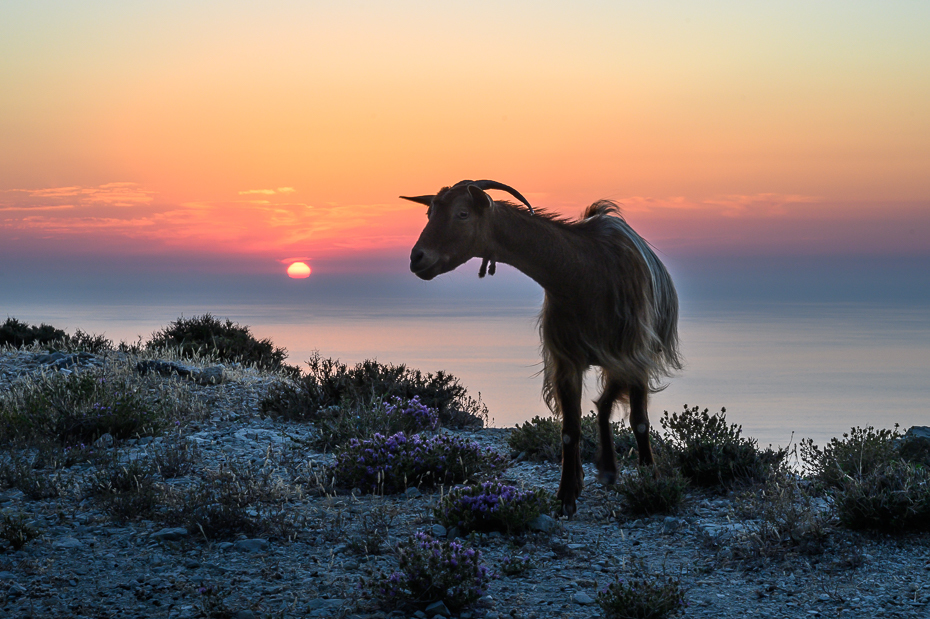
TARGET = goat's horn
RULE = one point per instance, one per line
(484, 185)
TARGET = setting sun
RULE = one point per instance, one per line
(299, 270)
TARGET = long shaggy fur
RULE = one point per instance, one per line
(622, 315)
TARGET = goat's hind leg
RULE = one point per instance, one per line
(607, 455)
(639, 421)
(568, 392)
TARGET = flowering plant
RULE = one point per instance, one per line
(492, 506)
(390, 464)
(411, 415)
(432, 570)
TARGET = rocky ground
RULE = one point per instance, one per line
(86, 564)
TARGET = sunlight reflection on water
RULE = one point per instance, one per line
(815, 370)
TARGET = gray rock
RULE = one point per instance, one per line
(582, 598)
(210, 376)
(175, 534)
(438, 530)
(68, 542)
(251, 545)
(105, 441)
(542, 523)
(671, 524)
(244, 614)
(205, 376)
(438, 608)
(413, 493)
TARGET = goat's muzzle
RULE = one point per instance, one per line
(422, 263)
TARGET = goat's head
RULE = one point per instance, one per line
(457, 227)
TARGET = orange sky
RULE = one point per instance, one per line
(287, 130)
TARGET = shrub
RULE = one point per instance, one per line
(85, 342)
(390, 464)
(126, 492)
(226, 341)
(650, 491)
(434, 571)
(338, 424)
(642, 595)
(894, 496)
(33, 484)
(778, 518)
(709, 452)
(857, 454)
(541, 439)
(492, 506)
(330, 383)
(18, 334)
(16, 531)
(81, 407)
(234, 501)
(516, 564)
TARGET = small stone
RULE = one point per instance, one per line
(244, 614)
(251, 545)
(438, 608)
(174, 534)
(438, 530)
(68, 542)
(412, 493)
(542, 523)
(582, 598)
(105, 441)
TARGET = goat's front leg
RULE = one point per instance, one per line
(568, 392)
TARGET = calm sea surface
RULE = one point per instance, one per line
(782, 370)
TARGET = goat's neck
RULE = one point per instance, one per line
(539, 248)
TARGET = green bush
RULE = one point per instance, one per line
(330, 384)
(642, 595)
(338, 424)
(126, 492)
(207, 336)
(648, 490)
(541, 439)
(710, 452)
(79, 408)
(16, 333)
(859, 453)
(16, 531)
(779, 517)
(894, 497)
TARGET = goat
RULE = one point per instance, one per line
(609, 302)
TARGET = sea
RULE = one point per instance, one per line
(797, 361)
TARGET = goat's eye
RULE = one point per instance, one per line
(463, 214)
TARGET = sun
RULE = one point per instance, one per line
(299, 270)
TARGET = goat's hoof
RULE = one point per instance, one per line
(569, 508)
(607, 478)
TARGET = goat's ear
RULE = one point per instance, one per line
(424, 200)
(479, 197)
